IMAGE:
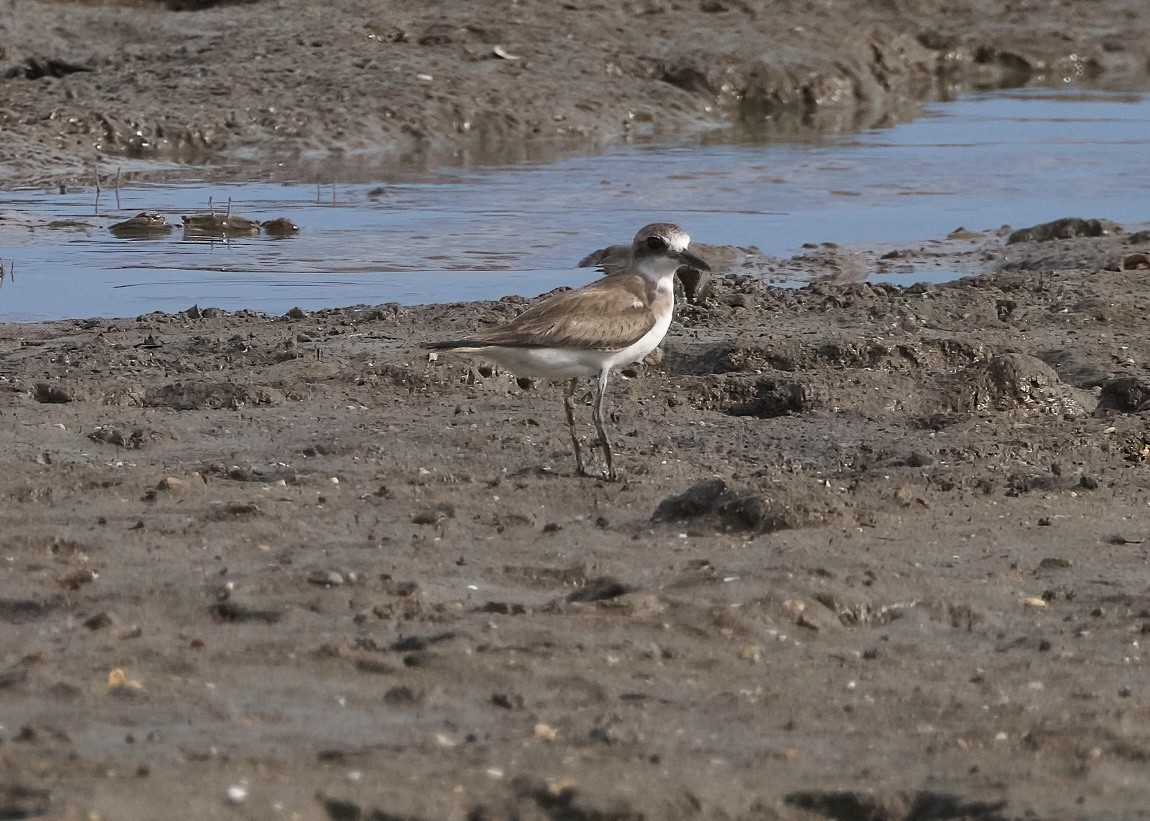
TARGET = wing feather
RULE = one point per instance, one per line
(609, 314)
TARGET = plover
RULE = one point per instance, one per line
(614, 321)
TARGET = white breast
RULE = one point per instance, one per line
(663, 306)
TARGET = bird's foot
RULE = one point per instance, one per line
(607, 475)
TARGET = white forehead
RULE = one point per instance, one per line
(676, 237)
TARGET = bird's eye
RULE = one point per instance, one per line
(656, 243)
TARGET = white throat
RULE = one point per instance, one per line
(657, 268)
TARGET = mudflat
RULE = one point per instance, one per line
(876, 553)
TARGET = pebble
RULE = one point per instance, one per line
(545, 732)
(118, 682)
(752, 653)
(101, 620)
(560, 786)
(237, 794)
(817, 616)
(326, 578)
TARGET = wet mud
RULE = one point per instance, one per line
(876, 552)
(345, 91)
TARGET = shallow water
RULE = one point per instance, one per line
(1017, 157)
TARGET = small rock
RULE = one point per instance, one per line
(818, 617)
(752, 653)
(545, 732)
(728, 510)
(1066, 228)
(503, 608)
(118, 682)
(101, 620)
(51, 394)
(507, 702)
(76, 580)
(237, 794)
(374, 666)
(219, 225)
(232, 611)
(326, 578)
(908, 496)
(433, 515)
(34, 68)
(237, 509)
(144, 225)
(604, 587)
(400, 695)
(280, 227)
(698, 499)
(1126, 394)
(134, 439)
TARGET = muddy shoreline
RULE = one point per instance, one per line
(290, 81)
(877, 553)
(898, 569)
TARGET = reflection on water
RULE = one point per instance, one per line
(1017, 157)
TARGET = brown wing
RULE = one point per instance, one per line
(609, 314)
(611, 260)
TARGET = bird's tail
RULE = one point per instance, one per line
(453, 344)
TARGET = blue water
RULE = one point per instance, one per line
(1016, 157)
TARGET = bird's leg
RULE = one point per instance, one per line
(569, 406)
(597, 417)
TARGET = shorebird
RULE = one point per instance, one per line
(583, 333)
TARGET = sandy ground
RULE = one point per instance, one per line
(876, 553)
